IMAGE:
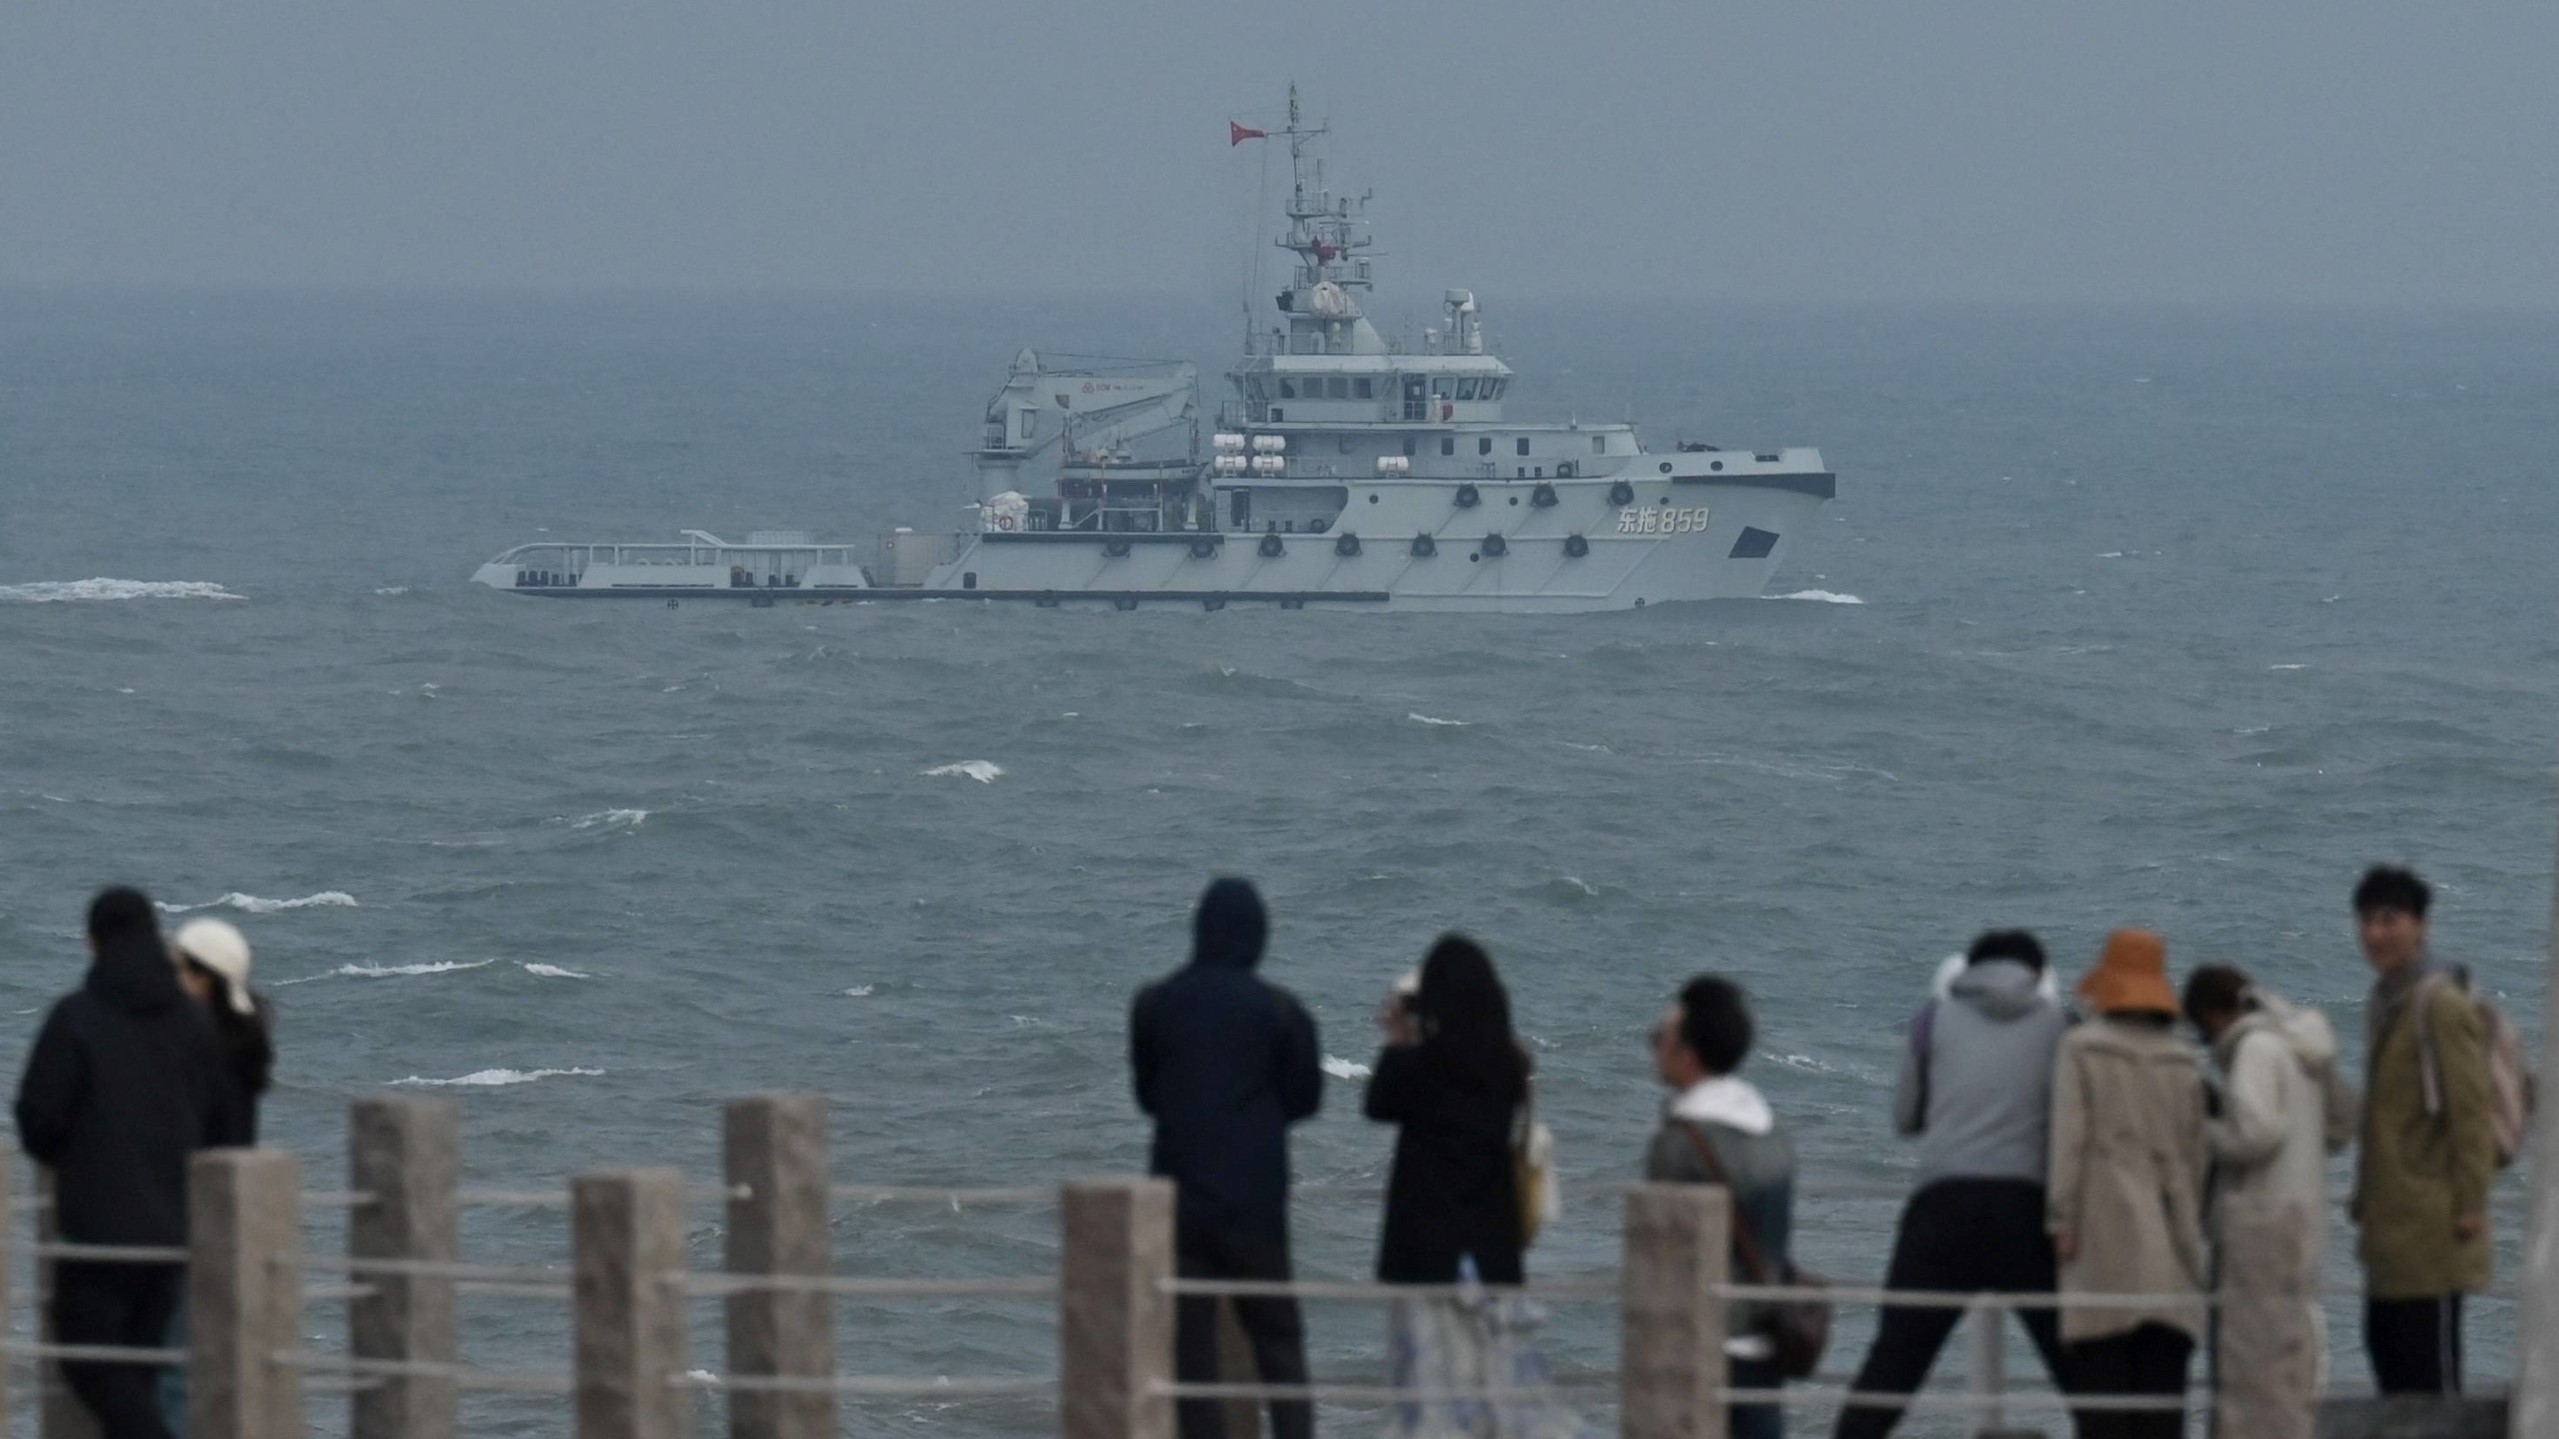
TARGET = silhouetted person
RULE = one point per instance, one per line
(1225, 1063)
(123, 1084)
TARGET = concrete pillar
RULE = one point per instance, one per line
(8, 1238)
(626, 1230)
(2270, 1338)
(1987, 1375)
(405, 1152)
(244, 1294)
(1235, 1362)
(775, 1161)
(58, 1415)
(1115, 1322)
(2535, 1411)
(1678, 1240)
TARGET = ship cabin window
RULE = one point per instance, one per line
(1599, 444)
(1484, 446)
(1448, 444)
(1364, 388)
(1466, 389)
(1288, 389)
(1440, 387)
(1337, 388)
(1523, 444)
(1410, 445)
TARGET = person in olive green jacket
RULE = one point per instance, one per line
(2421, 1180)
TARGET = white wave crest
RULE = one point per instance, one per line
(859, 991)
(983, 771)
(1418, 717)
(259, 904)
(2287, 667)
(59, 591)
(1341, 1068)
(490, 1078)
(553, 971)
(409, 971)
(612, 819)
(1826, 597)
(392, 590)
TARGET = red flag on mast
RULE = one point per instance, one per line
(1238, 134)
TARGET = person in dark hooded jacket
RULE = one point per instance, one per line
(123, 1083)
(1224, 1063)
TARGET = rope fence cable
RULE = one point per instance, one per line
(93, 1353)
(461, 1376)
(871, 1386)
(938, 1195)
(863, 1287)
(102, 1253)
(1591, 1288)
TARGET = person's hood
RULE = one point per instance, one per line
(135, 975)
(2306, 1032)
(2002, 989)
(1229, 927)
(1727, 1100)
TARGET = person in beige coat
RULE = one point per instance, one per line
(2125, 1204)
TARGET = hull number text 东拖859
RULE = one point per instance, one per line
(1665, 521)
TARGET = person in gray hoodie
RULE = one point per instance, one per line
(1976, 1091)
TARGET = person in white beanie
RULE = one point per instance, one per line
(213, 965)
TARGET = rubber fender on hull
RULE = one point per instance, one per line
(1575, 547)
(1543, 497)
(1272, 548)
(1495, 547)
(1203, 549)
(1347, 546)
(1468, 497)
(1424, 547)
(1621, 494)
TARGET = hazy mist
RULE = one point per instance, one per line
(2170, 150)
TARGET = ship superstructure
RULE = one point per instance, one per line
(1344, 471)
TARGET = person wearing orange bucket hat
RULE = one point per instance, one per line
(2126, 1195)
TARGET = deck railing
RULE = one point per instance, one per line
(629, 1295)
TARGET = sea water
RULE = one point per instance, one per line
(2168, 617)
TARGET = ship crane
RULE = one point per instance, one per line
(1090, 416)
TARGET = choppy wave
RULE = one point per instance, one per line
(1418, 717)
(491, 1078)
(983, 771)
(259, 904)
(859, 991)
(392, 590)
(58, 591)
(409, 971)
(553, 971)
(612, 819)
(1826, 597)
(1341, 1068)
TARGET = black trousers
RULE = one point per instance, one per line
(1957, 1236)
(1272, 1326)
(2415, 1344)
(129, 1306)
(2150, 1361)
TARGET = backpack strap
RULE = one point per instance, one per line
(2429, 1063)
(1754, 1259)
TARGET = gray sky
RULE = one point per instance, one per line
(2283, 150)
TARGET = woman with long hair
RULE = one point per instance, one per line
(1453, 1079)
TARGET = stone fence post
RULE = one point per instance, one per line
(244, 1294)
(405, 1153)
(2536, 1392)
(1115, 1322)
(1677, 1245)
(774, 1148)
(1678, 1239)
(626, 1228)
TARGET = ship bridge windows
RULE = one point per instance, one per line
(1523, 444)
(1417, 403)
(1484, 445)
(1363, 388)
(1288, 389)
(1448, 444)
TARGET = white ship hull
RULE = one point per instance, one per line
(1678, 538)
